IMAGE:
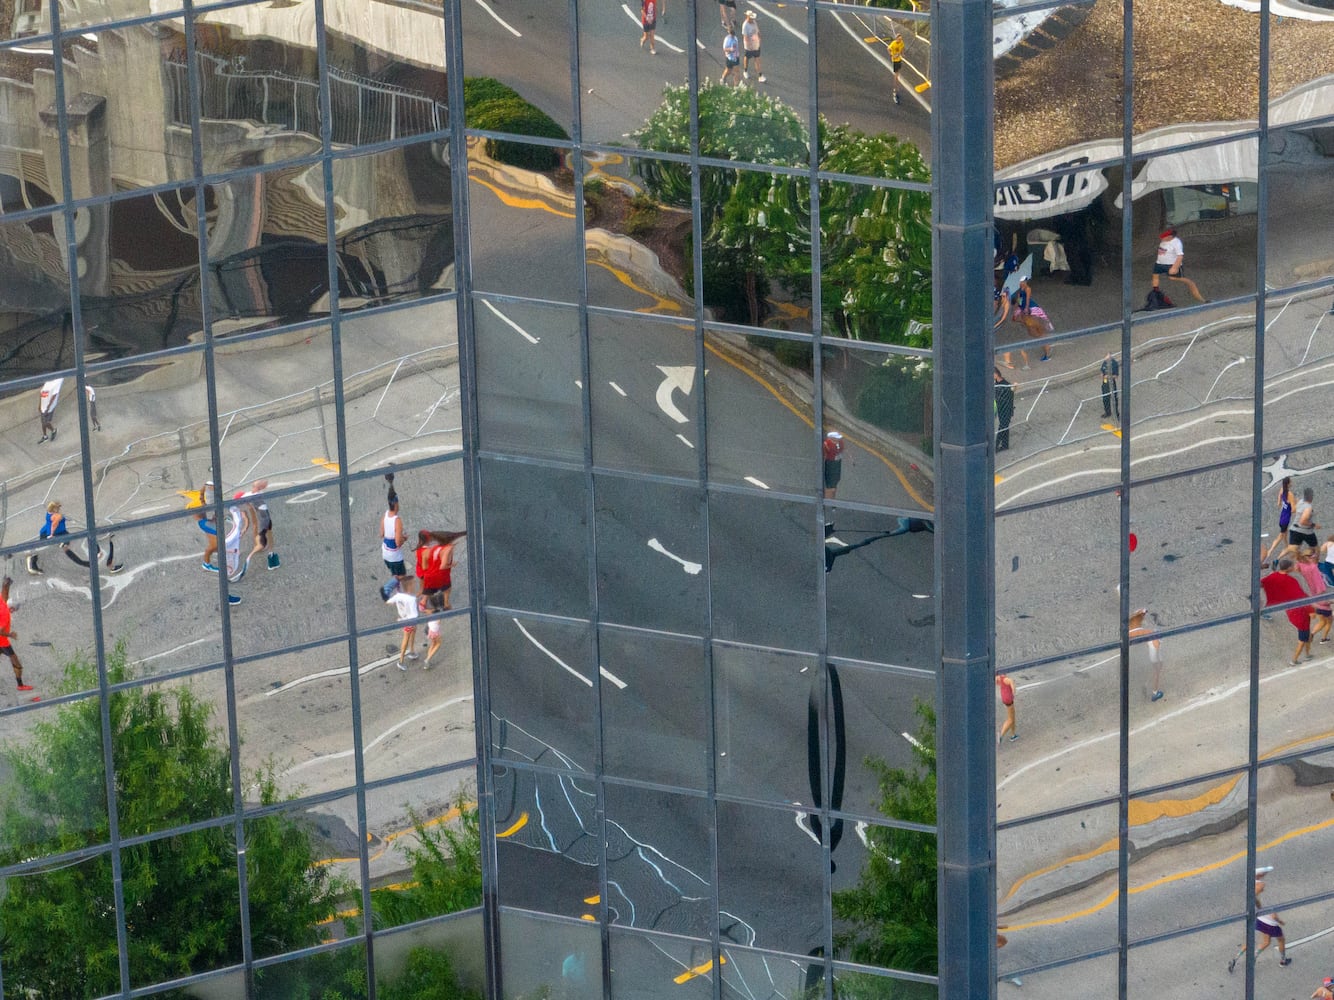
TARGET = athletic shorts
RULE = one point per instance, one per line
(1167, 269)
(732, 63)
(650, 25)
(433, 629)
(751, 54)
(7, 650)
(264, 536)
(208, 527)
(896, 65)
(727, 3)
(1324, 612)
(833, 473)
(409, 629)
(1272, 930)
(397, 568)
(1298, 536)
(1304, 634)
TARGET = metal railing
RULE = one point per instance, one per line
(363, 111)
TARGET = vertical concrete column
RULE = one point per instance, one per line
(90, 176)
(961, 124)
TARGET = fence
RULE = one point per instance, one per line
(362, 111)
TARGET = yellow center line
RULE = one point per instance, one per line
(698, 970)
(515, 202)
(660, 304)
(519, 824)
(773, 391)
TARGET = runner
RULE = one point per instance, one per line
(7, 635)
(55, 526)
(896, 60)
(1286, 501)
(1006, 687)
(648, 20)
(262, 523)
(404, 601)
(435, 562)
(831, 451)
(432, 604)
(750, 47)
(1270, 927)
(46, 406)
(392, 538)
(1281, 586)
(731, 57)
(1137, 628)
(1315, 584)
(204, 519)
(1301, 532)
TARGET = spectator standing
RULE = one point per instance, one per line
(731, 57)
(1004, 409)
(47, 399)
(750, 47)
(1171, 257)
(1111, 396)
(832, 453)
(648, 20)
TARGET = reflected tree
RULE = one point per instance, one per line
(890, 915)
(446, 870)
(182, 909)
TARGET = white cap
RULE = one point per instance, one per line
(833, 434)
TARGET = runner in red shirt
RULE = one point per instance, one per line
(7, 634)
(1281, 586)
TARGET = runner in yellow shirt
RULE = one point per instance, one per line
(896, 60)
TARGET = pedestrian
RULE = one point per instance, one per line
(1171, 255)
(1286, 501)
(404, 600)
(1270, 927)
(731, 57)
(1004, 406)
(1137, 629)
(727, 11)
(204, 520)
(832, 453)
(8, 635)
(91, 393)
(393, 537)
(1281, 586)
(648, 20)
(236, 525)
(1025, 310)
(1315, 584)
(1301, 532)
(47, 399)
(896, 60)
(261, 520)
(1325, 991)
(1000, 308)
(435, 563)
(55, 526)
(750, 47)
(431, 604)
(1111, 396)
(1006, 687)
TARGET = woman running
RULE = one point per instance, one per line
(1287, 500)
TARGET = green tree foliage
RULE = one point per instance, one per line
(492, 106)
(897, 395)
(57, 926)
(446, 870)
(735, 123)
(890, 915)
(428, 974)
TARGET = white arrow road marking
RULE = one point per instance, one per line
(486, 7)
(690, 567)
(755, 482)
(612, 677)
(116, 583)
(806, 827)
(310, 496)
(679, 377)
(619, 390)
(511, 324)
(685, 441)
(661, 41)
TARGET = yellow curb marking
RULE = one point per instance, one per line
(519, 824)
(389, 838)
(325, 463)
(514, 202)
(789, 310)
(903, 480)
(698, 970)
(1112, 429)
(660, 304)
(593, 900)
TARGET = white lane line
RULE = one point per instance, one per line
(755, 482)
(1078, 670)
(619, 390)
(612, 677)
(497, 18)
(174, 649)
(661, 41)
(340, 755)
(805, 827)
(1311, 937)
(692, 568)
(513, 325)
(685, 441)
(554, 658)
(861, 40)
(141, 511)
(335, 672)
(310, 496)
(788, 28)
(1190, 706)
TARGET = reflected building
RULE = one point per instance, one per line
(710, 374)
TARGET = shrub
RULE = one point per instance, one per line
(494, 107)
(896, 394)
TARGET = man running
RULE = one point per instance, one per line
(46, 407)
(1281, 586)
(7, 635)
(896, 61)
(262, 522)
(55, 526)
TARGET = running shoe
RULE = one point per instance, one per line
(1231, 966)
(210, 567)
(233, 600)
(1285, 961)
(412, 656)
(1157, 696)
(33, 568)
(25, 687)
(402, 666)
(113, 570)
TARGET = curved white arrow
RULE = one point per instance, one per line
(680, 377)
(690, 567)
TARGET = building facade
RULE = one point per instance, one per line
(860, 581)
